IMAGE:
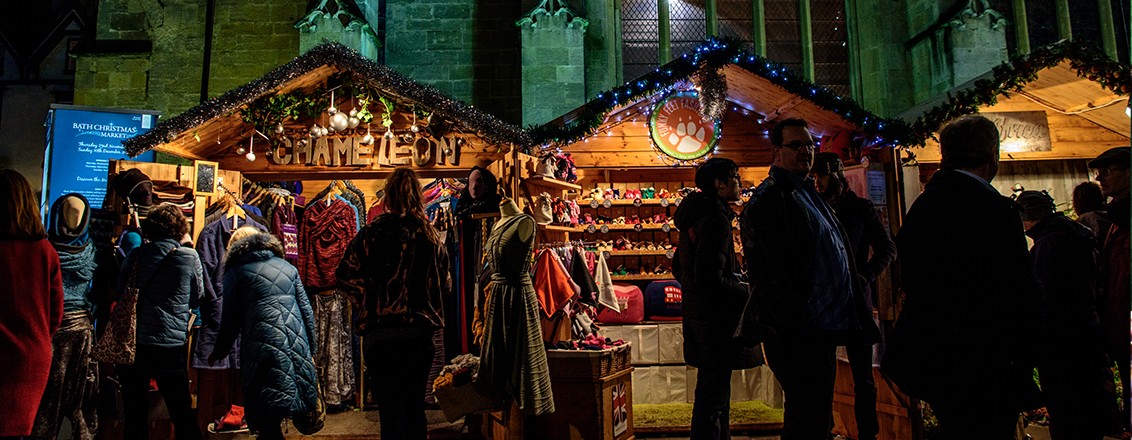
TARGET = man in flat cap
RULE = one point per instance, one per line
(1111, 169)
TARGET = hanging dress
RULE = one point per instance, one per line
(513, 359)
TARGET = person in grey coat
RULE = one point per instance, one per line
(170, 280)
(265, 304)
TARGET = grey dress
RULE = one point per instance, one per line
(513, 359)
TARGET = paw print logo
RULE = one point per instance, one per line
(688, 137)
(678, 129)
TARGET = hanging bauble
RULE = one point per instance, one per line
(330, 130)
(302, 142)
(353, 122)
(241, 150)
(270, 152)
(407, 138)
(339, 121)
(279, 129)
(250, 156)
(323, 131)
(367, 139)
(332, 110)
(414, 128)
(315, 131)
(388, 133)
(353, 112)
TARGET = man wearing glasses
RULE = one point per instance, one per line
(1112, 171)
(805, 289)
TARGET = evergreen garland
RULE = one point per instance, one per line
(1013, 76)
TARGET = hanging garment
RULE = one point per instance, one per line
(582, 276)
(553, 286)
(604, 280)
(325, 233)
(211, 245)
(334, 358)
(72, 389)
(513, 359)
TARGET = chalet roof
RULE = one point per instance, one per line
(185, 135)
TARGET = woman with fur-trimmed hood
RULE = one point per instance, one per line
(265, 304)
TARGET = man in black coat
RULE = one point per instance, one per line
(866, 232)
(1076, 374)
(714, 297)
(805, 288)
(965, 339)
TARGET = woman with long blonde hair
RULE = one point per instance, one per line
(395, 271)
(31, 305)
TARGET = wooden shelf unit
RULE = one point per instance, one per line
(548, 182)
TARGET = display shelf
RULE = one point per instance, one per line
(625, 228)
(625, 202)
(643, 277)
(559, 228)
(548, 182)
(657, 252)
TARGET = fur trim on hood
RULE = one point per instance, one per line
(255, 247)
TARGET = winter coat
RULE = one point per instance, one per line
(212, 244)
(31, 309)
(714, 298)
(169, 290)
(1115, 262)
(396, 276)
(265, 304)
(865, 231)
(780, 241)
(76, 255)
(970, 318)
(1065, 262)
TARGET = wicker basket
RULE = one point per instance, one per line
(590, 364)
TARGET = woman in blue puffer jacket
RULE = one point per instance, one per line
(265, 304)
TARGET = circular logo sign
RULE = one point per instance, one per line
(678, 129)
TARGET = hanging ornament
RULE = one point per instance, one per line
(353, 113)
(251, 149)
(315, 131)
(368, 138)
(339, 121)
(279, 128)
(241, 150)
(332, 110)
(414, 128)
(407, 138)
(329, 130)
(388, 133)
(353, 122)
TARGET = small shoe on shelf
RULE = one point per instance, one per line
(648, 193)
(663, 194)
(620, 220)
(597, 194)
(633, 220)
(616, 194)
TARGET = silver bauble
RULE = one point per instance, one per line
(314, 130)
(367, 139)
(241, 150)
(353, 112)
(332, 110)
(388, 134)
(250, 156)
(414, 128)
(354, 122)
(339, 121)
(279, 129)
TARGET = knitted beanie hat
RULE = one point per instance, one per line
(1036, 205)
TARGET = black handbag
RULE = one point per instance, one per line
(312, 421)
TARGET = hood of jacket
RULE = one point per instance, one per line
(697, 206)
(62, 237)
(256, 247)
(1059, 223)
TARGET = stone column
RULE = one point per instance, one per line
(553, 41)
(321, 25)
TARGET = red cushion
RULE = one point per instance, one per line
(632, 304)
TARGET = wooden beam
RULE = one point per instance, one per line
(774, 114)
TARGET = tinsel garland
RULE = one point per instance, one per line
(374, 75)
(1013, 76)
(713, 55)
(713, 93)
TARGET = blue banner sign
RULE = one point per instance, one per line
(80, 145)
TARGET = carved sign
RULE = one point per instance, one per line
(679, 130)
(1021, 132)
(350, 151)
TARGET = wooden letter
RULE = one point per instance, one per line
(283, 158)
(321, 151)
(424, 152)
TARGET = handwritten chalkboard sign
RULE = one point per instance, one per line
(81, 143)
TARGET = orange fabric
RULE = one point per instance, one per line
(553, 286)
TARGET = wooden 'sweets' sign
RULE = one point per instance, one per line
(350, 151)
(1021, 132)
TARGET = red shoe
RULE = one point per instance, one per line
(233, 421)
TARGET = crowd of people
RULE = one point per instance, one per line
(981, 312)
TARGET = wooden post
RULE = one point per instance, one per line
(1021, 31)
(806, 31)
